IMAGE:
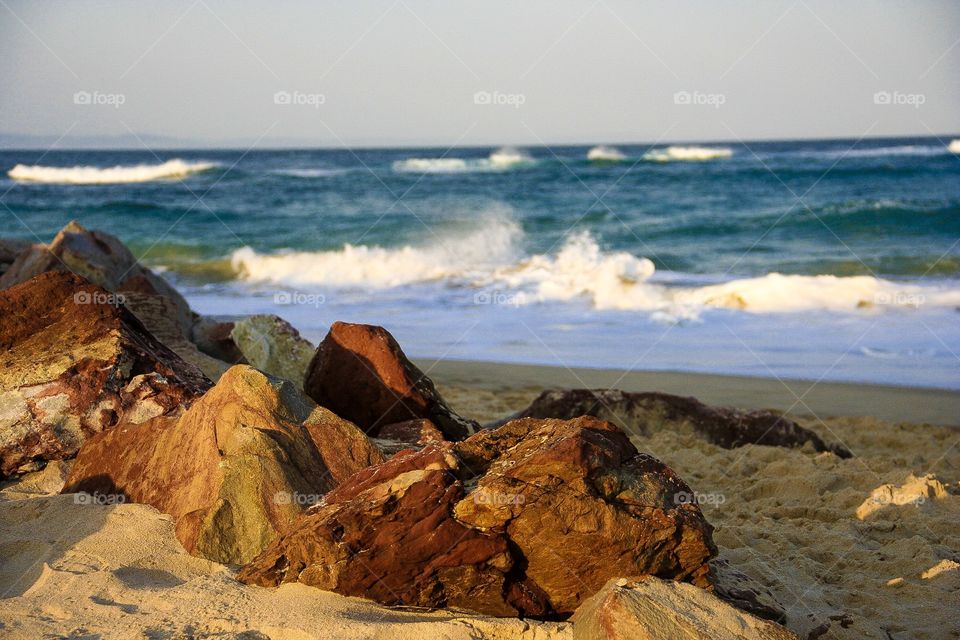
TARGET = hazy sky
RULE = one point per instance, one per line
(408, 71)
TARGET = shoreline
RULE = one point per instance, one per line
(819, 399)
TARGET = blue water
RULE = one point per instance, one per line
(550, 258)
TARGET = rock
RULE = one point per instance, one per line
(212, 337)
(409, 434)
(234, 470)
(581, 504)
(100, 258)
(647, 608)
(914, 492)
(389, 534)
(745, 593)
(73, 364)
(646, 413)
(526, 520)
(159, 315)
(360, 372)
(271, 344)
(9, 250)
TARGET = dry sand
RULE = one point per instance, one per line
(787, 518)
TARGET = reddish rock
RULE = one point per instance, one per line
(529, 519)
(235, 469)
(646, 413)
(360, 373)
(103, 260)
(74, 363)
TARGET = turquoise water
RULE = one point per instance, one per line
(663, 260)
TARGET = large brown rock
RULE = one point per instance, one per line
(100, 258)
(647, 608)
(233, 470)
(646, 413)
(74, 363)
(360, 372)
(529, 519)
(9, 250)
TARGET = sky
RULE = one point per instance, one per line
(429, 72)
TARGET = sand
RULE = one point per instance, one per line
(787, 518)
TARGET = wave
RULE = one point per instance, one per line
(604, 153)
(687, 154)
(500, 160)
(108, 175)
(463, 255)
(489, 259)
(310, 173)
(875, 152)
(954, 146)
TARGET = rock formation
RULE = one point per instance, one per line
(271, 344)
(74, 363)
(646, 413)
(360, 373)
(233, 470)
(648, 608)
(529, 520)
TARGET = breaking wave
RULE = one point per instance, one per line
(687, 154)
(500, 160)
(954, 146)
(490, 258)
(175, 168)
(604, 153)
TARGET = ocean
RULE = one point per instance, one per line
(822, 260)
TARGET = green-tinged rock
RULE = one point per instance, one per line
(271, 344)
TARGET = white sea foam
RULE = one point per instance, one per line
(500, 160)
(490, 258)
(603, 153)
(954, 146)
(108, 175)
(687, 154)
(465, 255)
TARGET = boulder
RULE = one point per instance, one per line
(360, 372)
(646, 413)
(527, 520)
(74, 363)
(234, 470)
(100, 258)
(647, 608)
(271, 344)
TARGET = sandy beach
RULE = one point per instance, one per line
(786, 518)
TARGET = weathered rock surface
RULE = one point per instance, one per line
(212, 337)
(648, 608)
(159, 315)
(9, 250)
(646, 413)
(100, 258)
(529, 520)
(234, 469)
(73, 364)
(360, 372)
(271, 344)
